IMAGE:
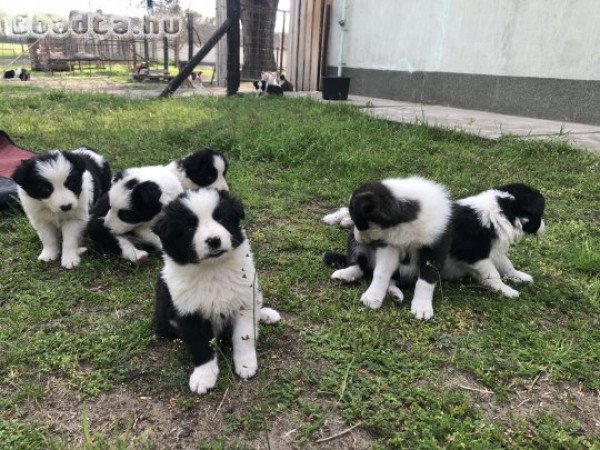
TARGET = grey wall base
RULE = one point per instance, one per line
(544, 98)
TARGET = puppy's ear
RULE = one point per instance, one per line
(22, 171)
(399, 211)
(76, 160)
(365, 203)
(161, 227)
(236, 205)
(147, 193)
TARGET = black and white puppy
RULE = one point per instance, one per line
(124, 217)
(208, 283)
(395, 220)
(136, 193)
(264, 87)
(485, 226)
(17, 74)
(57, 190)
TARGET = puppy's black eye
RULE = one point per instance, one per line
(44, 190)
(125, 215)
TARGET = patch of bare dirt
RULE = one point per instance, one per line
(107, 86)
(151, 414)
(563, 400)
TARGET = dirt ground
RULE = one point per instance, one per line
(128, 89)
(566, 401)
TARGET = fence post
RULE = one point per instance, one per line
(198, 57)
(165, 53)
(190, 27)
(233, 47)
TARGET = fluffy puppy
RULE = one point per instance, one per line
(208, 283)
(17, 74)
(124, 217)
(485, 226)
(57, 190)
(395, 220)
(264, 87)
(144, 192)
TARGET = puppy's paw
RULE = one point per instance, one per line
(70, 260)
(246, 366)
(48, 255)
(395, 293)
(81, 250)
(204, 377)
(335, 218)
(371, 299)
(347, 275)
(135, 255)
(509, 292)
(520, 277)
(422, 309)
(268, 315)
(347, 222)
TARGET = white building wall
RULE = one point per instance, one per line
(522, 38)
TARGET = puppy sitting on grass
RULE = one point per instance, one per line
(208, 283)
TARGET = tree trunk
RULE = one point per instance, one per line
(258, 29)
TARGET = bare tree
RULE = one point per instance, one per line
(258, 19)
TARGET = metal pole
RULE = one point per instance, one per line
(165, 53)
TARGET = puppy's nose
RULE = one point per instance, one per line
(66, 207)
(213, 242)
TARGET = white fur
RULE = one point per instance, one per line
(386, 262)
(422, 305)
(336, 217)
(119, 196)
(50, 222)
(348, 275)
(204, 377)
(431, 221)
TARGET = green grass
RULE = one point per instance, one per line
(87, 331)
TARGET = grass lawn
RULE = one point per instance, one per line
(79, 365)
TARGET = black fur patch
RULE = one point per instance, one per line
(176, 231)
(200, 167)
(528, 203)
(145, 203)
(374, 203)
(27, 177)
(229, 212)
(118, 176)
(472, 241)
(132, 183)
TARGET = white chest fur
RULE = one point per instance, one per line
(217, 289)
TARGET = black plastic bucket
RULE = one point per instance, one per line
(335, 88)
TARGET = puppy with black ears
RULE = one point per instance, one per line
(208, 283)
(485, 226)
(57, 190)
(124, 217)
(139, 194)
(397, 220)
